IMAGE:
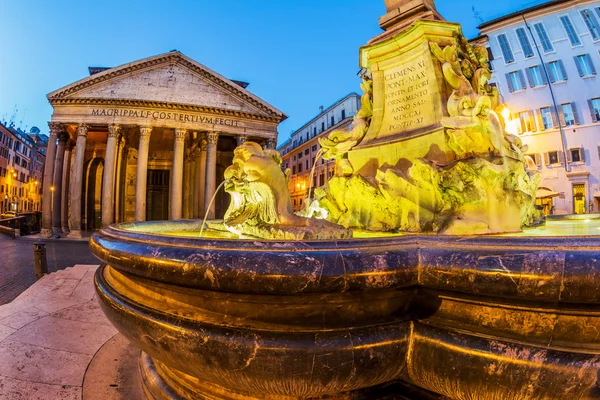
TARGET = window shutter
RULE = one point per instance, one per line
(537, 159)
(576, 113)
(578, 65)
(561, 156)
(591, 63)
(591, 106)
(540, 120)
(547, 157)
(554, 117)
(522, 78)
(511, 88)
(561, 116)
(529, 77)
(598, 151)
(562, 69)
(531, 120)
(543, 74)
(550, 74)
(582, 153)
(569, 159)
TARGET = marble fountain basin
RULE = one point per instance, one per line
(406, 316)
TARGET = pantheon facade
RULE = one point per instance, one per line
(148, 140)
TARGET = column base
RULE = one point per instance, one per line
(75, 235)
(46, 232)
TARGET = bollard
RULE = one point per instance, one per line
(41, 263)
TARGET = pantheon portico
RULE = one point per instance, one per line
(147, 140)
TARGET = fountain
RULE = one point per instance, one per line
(384, 299)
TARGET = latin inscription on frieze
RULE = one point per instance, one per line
(408, 97)
(163, 115)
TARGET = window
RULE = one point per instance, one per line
(343, 114)
(535, 76)
(547, 119)
(315, 131)
(332, 120)
(570, 30)
(515, 81)
(591, 23)
(299, 167)
(312, 162)
(576, 155)
(569, 114)
(544, 39)
(526, 122)
(594, 105)
(525, 45)
(506, 50)
(306, 152)
(536, 159)
(322, 126)
(552, 157)
(314, 148)
(322, 179)
(557, 72)
(293, 169)
(307, 137)
(585, 65)
(307, 167)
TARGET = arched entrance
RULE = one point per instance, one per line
(91, 196)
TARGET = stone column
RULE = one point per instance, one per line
(189, 186)
(57, 182)
(211, 173)
(64, 215)
(200, 178)
(177, 174)
(108, 177)
(76, 185)
(241, 139)
(55, 128)
(118, 194)
(142, 173)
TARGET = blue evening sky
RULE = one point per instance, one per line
(296, 54)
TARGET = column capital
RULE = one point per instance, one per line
(212, 137)
(180, 134)
(145, 132)
(241, 139)
(82, 129)
(114, 130)
(63, 137)
(271, 144)
(55, 128)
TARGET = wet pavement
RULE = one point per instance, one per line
(17, 271)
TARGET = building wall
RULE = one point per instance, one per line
(300, 152)
(20, 171)
(529, 98)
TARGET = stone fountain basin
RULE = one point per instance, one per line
(464, 317)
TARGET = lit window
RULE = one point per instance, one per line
(515, 81)
(544, 39)
(585, 65)
(557, 72)
(535, 76)
(526, 122)
(506, 50)
(525, 45)
(575, 155)
(570, 30)
(591, 23)
(547, 118)
(552, 158)
(568, 114)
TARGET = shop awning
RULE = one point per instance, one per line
(543, 193)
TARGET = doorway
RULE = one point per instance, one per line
(157, 195)
(579, 198)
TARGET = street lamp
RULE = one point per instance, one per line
(52, 200)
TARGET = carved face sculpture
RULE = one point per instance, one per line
(258, 187)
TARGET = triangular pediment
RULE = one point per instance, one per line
(167, 78)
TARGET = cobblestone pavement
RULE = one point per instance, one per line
(17, 271)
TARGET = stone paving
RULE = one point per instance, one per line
(17, 270)
(49, 335)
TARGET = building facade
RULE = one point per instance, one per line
(545, 63)
(301, 150)
(148, 140)
(20, 179)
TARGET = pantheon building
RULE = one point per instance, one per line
(148, 140)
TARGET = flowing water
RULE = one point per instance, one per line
(209, 205)
(312, 172)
